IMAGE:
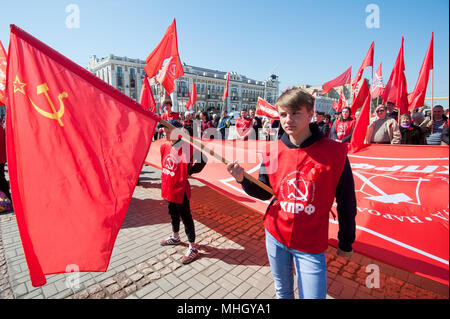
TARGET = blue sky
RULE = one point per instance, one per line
(303, 42)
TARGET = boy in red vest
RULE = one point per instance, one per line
(178, 161)
(306, 173)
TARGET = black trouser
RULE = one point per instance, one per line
(4, 186)
(183, 211)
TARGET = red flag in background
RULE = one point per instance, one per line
(225, 92)
(3, 59)
(360, 130)
(342, 101)
(75, 149)
(264, 108)
(359, 100)
(167, 75)
(368, 61)
(168, 47)
(417, 97)
(377, 86)
(342, 79)
(193, 96)
(335, 106)
(147, 98)
(395, 90)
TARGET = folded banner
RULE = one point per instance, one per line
(75, 149)
(402, 198)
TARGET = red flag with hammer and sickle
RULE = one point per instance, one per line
(75, 149)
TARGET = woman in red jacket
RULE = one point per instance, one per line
(306, 173)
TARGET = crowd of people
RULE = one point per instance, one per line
(385, 126)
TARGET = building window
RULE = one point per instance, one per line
(119, 78)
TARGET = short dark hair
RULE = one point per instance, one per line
(167, 102)
(295, 98)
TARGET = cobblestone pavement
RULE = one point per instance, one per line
(233, 261)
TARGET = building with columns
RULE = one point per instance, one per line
(127, 75)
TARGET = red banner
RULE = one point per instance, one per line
(264, 108)
(402, 199)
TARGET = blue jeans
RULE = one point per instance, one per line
(311, 271)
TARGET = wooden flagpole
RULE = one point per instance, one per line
(203, 148)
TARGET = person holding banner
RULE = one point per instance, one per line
(306, 172)
(178, 161)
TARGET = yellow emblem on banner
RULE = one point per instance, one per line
(43, 89)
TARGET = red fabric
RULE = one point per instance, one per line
(167, 75)
(342, 101)
(193, 97)
(396, 90)
(147, 99)
(368, 61)
(344, 128)
(72, 173)
(264, 108)
(225, 92)
(170, 116)
(342, 79)
(3, 59)
(242, 127)
(168, 47)
(377, 87)
(304, 182)
(335, 106)
(411, 234)
(417, 97)
(174, 177)
(358, 101)
(359, 133)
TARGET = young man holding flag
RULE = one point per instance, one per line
(306, 173)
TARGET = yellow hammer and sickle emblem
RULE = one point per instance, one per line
(56, 115)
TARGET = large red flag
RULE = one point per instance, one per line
(359, 133)
(417, 97)
(377, 86)
(3, 59)
(75, 149)
(168, 47)
(147, 98)
(360, 98)
(264, 108)
(368, 61)
(342, 79)
(225, 92)
(167, 75)
(192, 97)
(396, 90)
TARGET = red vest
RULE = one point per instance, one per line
(170, 116)
(242, 127)
(174, 178)
(343, 128)
(304, 181)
